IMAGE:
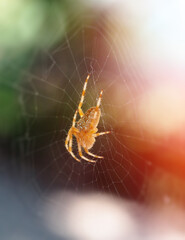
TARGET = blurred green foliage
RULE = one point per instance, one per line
(10, 111)
(30, 23)
(25, 27)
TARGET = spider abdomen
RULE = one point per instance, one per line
(89, 120)
(86, 140)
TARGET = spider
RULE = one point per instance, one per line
(86, 129)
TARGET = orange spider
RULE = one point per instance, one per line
(86, 130)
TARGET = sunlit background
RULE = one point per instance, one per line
(135, 51)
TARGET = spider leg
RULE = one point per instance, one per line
(82, 97)
(99, 99)
(98, 103)
(81, 155)
(69, 135)
(69, 140)
(101, 133)
(74, 119)
(91, 154)
(70, 150)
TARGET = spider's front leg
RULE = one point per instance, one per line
(69, 142)
(71, 131)
(82, 98)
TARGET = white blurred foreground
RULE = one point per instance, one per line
(101, 217)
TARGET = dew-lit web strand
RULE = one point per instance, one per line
(55, 64)
(110, 177)
(74, 61)
(66, 77)
(94, 84)
(69, 147)
(57, 175)
(73, 58)
(69, 120)
(135, 74)
(83, 45)
(48, 82)
(110, 174)
(128, 61)
(120, 50)
(40, 95)
(45, 168)
(94, 46)
(30, 92)
(119, 64)
(21, 89)
(94, 171)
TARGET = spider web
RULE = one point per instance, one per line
(49, 95)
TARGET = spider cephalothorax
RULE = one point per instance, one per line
(86, 129)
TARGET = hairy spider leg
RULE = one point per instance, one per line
(69, 133)
(70, 149)
(99, 99)
(91, 154)
(81, 155)
(82, 97)
(74, 119)
(101, 133)
(69, 138)
(98, 103)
